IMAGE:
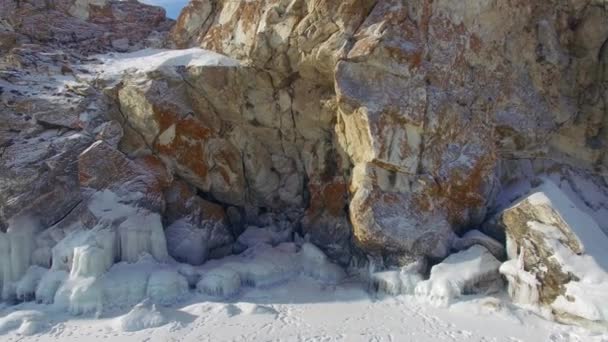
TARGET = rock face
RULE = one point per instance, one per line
(304, 134)
(86, 25)
(557, 257)
(414, 105)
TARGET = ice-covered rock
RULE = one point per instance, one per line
(220, 282)
(398, 281)
(472, 271)
(166, 287)
(264, 235)
(187, 243)
(143, 316)
(557, 257)
(315, 263)
(475, 237)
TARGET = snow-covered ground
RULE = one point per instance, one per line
(300, 310)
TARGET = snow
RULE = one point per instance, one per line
(144, 315)
(115, 64)
(301, 309)
(26, 323)
(474, 270)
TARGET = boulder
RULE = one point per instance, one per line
(557, 257)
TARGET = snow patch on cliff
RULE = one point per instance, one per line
(115, 64)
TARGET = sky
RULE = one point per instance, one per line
(173, 7)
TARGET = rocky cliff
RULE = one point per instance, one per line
(382, 131)
(405, 118)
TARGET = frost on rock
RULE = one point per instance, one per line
(270, 235)
(144, 315)
(187, 243)
(557, 257)
(471, 271)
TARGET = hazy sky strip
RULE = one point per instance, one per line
(173, 7)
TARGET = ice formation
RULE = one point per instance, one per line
(16, 248)
(474, 270)
(396, 282)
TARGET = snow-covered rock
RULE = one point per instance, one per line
(557, 257)
(472, 271)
